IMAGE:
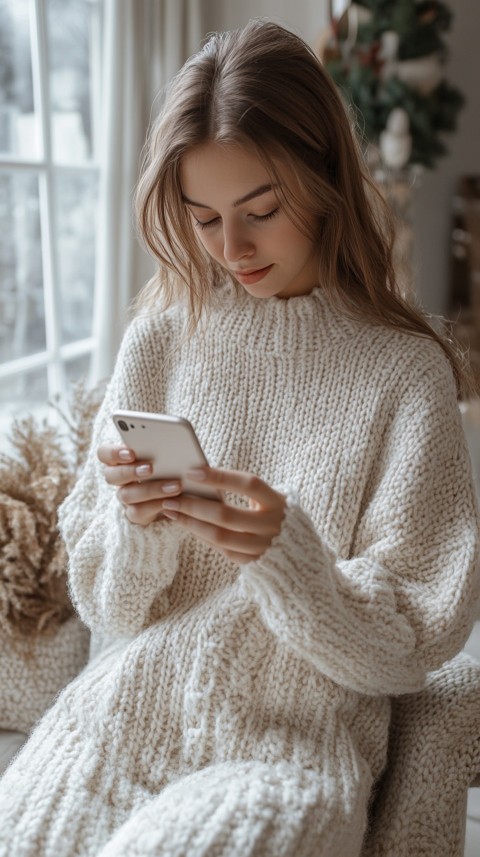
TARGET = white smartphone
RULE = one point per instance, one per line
(169, 443)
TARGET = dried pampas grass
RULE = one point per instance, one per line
(34, 480)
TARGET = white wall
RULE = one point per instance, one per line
(304, 17)
(431, 210)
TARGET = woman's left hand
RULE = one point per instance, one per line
(240, 534)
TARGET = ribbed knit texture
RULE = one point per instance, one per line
(243, 711)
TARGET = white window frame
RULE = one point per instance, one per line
(55, 354)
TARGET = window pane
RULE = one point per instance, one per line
(19, 128)
(73, 69)
(22, 315)
(21, 395)
(24, 391)
(77, 369)
(76, 206)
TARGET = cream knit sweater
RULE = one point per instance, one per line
(243, 711)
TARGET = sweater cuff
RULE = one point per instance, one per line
(340, 616)
(118, 570)
(296, 553)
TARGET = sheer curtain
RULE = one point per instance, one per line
(146, 42)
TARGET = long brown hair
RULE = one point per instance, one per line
(263, 87)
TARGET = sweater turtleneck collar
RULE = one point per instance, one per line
(304, 322)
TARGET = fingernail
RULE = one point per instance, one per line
(196, 474)
(143, 470)
(170, 504)
(170, 487)
(125, 455)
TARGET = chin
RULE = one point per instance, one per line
(257, 292)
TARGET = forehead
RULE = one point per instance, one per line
(214, 174)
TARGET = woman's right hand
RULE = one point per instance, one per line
(140, 495)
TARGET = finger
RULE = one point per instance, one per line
(226, 540)
(112, 455)
(144, 513)
(123, 474)
(154, 489)
(237, 482)
(225, 516)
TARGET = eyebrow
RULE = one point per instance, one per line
(259, 191)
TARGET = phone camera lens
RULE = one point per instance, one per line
(122, 424)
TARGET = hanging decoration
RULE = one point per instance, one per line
(390, 55)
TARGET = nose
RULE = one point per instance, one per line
(237, 244)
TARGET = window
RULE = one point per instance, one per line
(49, 106)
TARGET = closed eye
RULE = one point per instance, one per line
(207, 224)
(257, 218)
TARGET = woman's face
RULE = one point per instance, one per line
(241, 224)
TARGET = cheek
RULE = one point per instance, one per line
(299, 244)
(284, 231)
(211, 243)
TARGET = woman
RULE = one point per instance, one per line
(242, 707)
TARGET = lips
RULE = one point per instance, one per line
(253, 275)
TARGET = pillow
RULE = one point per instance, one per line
(33, 671)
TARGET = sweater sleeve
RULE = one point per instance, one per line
(403, 602)
(118, 571)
